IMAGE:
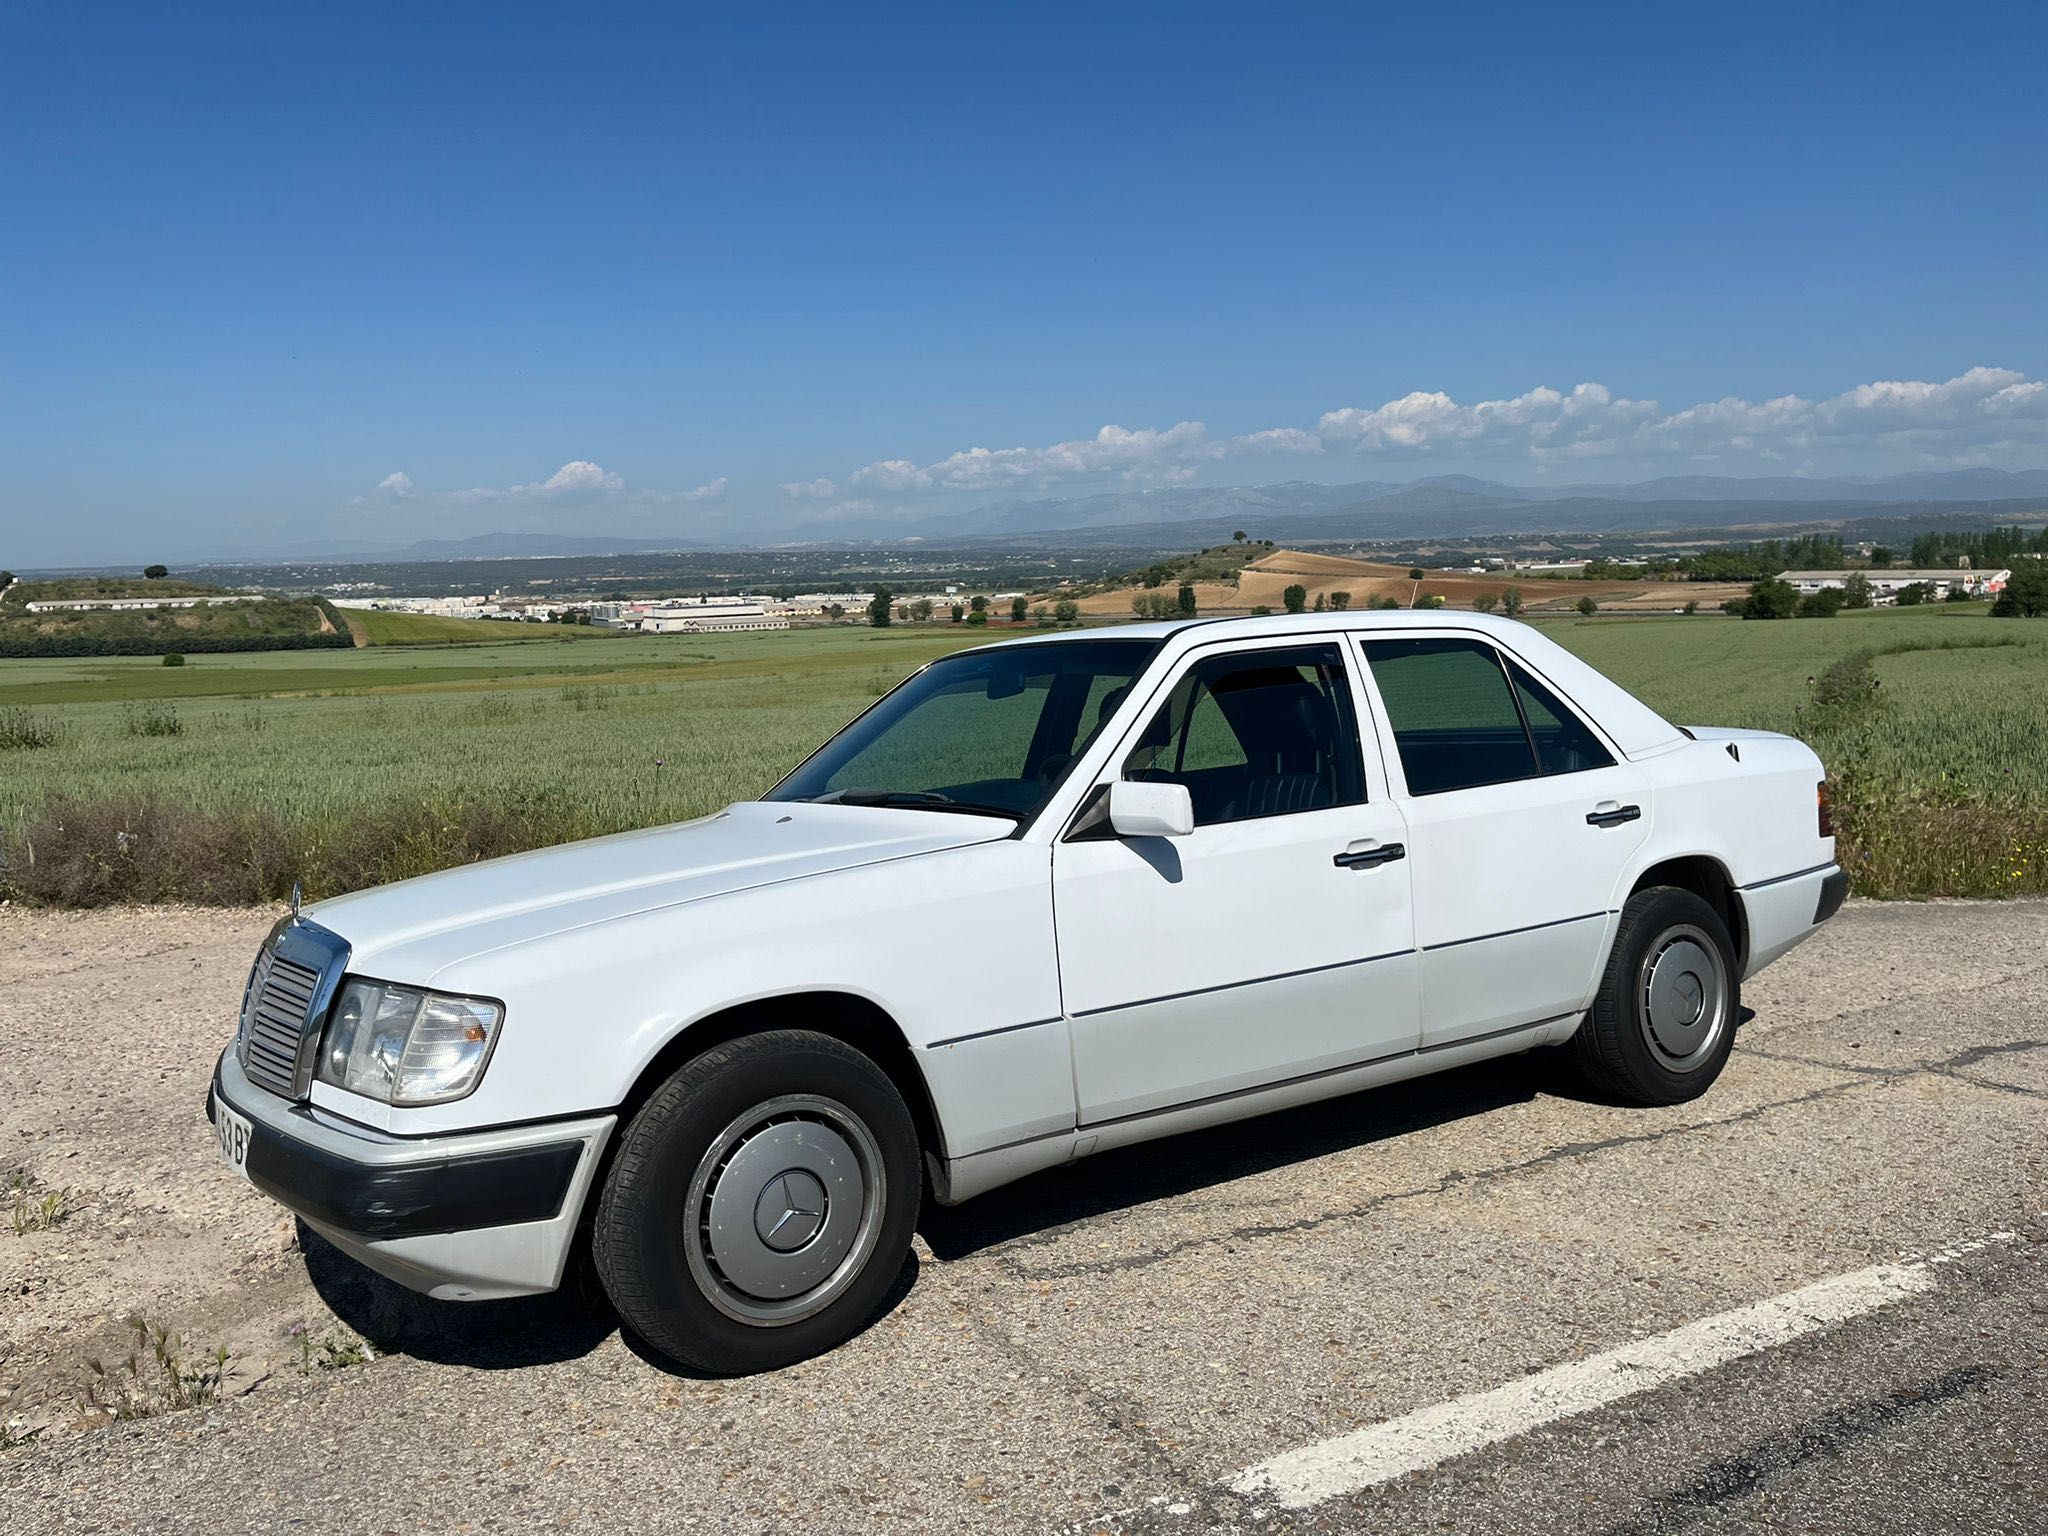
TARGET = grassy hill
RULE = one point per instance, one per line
(270, 624)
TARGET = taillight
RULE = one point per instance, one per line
(1827, 809)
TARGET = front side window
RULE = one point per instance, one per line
(987, 732)
(1256, 733)
(1463, 715)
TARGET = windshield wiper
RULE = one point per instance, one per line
(914, 799)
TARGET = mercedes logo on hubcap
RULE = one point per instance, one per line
(790, 1210)
(1690, 997)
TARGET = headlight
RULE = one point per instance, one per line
(406, 1046)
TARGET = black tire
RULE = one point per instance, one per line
(675, 1156)
(1646, 1053)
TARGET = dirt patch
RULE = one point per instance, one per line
(109, 1026)
(1264, 583)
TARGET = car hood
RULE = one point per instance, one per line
(409, 931)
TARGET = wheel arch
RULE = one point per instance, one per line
(1707, 878)
(848, 1017)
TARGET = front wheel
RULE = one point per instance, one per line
(760, 1204)
(1663, 1021)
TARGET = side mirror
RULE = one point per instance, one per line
(1150, 810)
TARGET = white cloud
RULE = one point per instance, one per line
(1279, 440)
(576, 475)
(816, 490)
(1978, 416)
(1146, 453)
(397, 484)
(710, 490)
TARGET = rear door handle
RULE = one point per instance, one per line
(1614, 817)
(1366, 858)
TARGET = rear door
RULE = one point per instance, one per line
(1521, 823)
(1274, 942)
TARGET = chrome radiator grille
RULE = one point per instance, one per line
(279, 1033)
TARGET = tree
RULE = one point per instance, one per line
(1692, 605)
(1511, 602)
(1066, 611)
(835, 611)
(1184, 600)
(1339, 601)
(921, 610)
(6, 579)
(1322, 603)
(1912, 594)
(1587, 606)
(959, 612)
(1856, 591)
(1295, 597)
(1415, 573)
(1020, 610)
(1237, 537)
(977, 619)
(881, 608)
(1824, 604)
(978, 603)
(155, 572)
(1771, 599)
(2026, 592)
(1485, 602)
(1880, 557)
(1429, 600)
(903, 611)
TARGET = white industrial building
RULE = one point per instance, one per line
(1885, 584)
(123, 604)
(672, 616)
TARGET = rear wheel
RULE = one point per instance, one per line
(1663, 1021)
(760, 1204)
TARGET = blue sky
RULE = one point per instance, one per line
(640, 269)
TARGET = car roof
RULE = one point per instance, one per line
(1631, 724)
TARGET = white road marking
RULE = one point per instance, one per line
(1382, 1452)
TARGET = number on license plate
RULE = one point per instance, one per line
(232, 1132)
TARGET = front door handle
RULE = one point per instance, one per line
(1614, 817)
(1366, 858)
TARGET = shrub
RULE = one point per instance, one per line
(1415, 573)
(977, 619)
(1485, 602)
(1339, 601)
(174, 658)
(1020, 610)
(1295, 597)
(154, 717)
(1066, 611)
(1184, 599)
(1824, 604)
(23, 731)
(1912, 594)
(1587, 606)
(1511, 602)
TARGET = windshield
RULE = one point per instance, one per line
(986, 732)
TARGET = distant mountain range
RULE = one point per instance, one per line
(1441, 506)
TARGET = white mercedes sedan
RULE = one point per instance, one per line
(1047, 898)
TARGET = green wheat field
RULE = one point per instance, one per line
(226, 779)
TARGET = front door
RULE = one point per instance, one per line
(1273, 943)
(1521, 823)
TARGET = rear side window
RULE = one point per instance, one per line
(1455, 720)
(1256, 733)
(1464, 715)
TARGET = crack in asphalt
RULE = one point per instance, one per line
(1860, 1077)
(1736, 1478)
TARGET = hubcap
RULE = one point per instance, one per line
(784, 1210)
(1683, 999)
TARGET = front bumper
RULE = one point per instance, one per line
(462, 1217)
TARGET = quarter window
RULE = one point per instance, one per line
(1256, 733)
(1562, 740)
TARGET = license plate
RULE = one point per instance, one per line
(232, 1132)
